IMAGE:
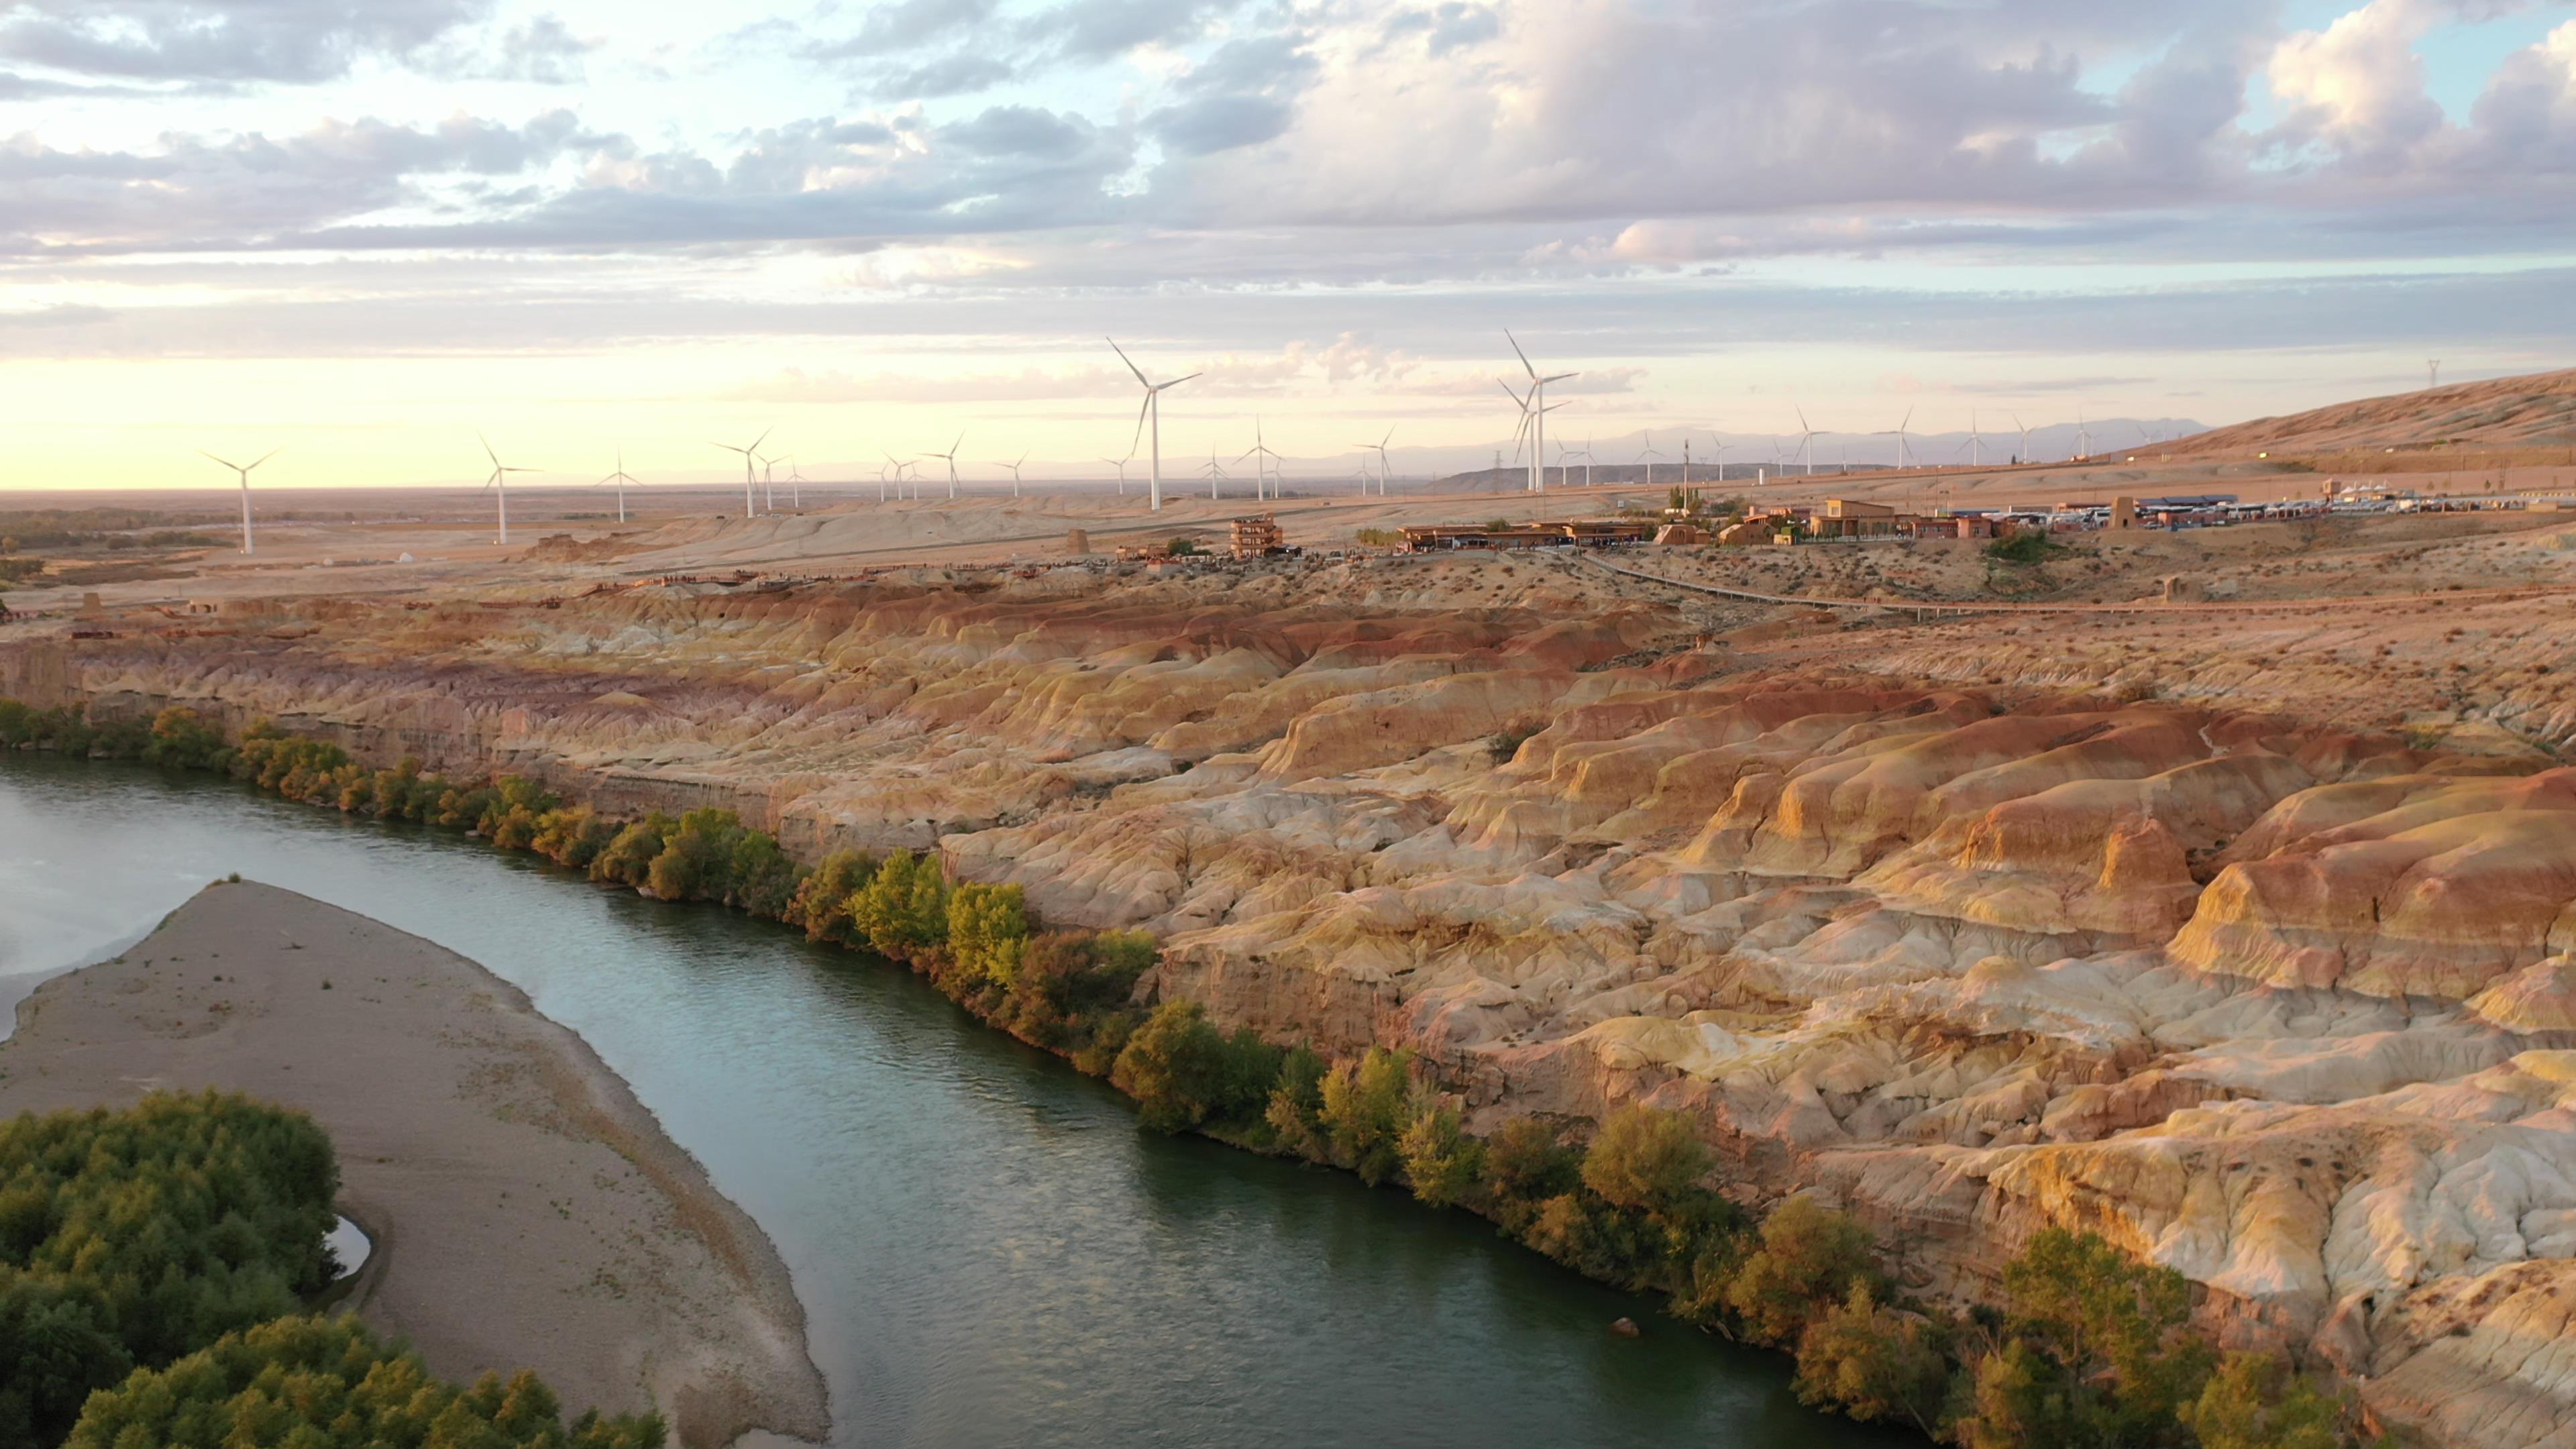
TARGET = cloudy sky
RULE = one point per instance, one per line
(368, 227)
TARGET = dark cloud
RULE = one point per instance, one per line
(1245, 93)
(221, 40)
(1096, 29)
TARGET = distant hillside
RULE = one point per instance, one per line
(2504, 412)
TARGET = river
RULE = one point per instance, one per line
(989, 1251)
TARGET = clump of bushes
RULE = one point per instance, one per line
(332, 1384)
(2028, 546)
(153, 1264)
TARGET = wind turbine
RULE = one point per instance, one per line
(243, 469)
(1899, 431)
(1015, 472)
(1121, 465)
(1976, 442)
(1153, 407)
(795, 484)
(1214, 470)
(499, 483)
(1806, 441)
(896, 464)
(1537, 408)
(768, 485)
(2025, 438)
(2083, 436)
(2432, 373)
(1258, 452)
(747, 479)
(951, 456)
(1383, 470)
(621, 478)
(1647, 455)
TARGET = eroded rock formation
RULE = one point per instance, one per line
(2280, 1001)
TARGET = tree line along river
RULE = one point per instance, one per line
(988, 1249)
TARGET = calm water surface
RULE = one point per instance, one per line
(989, 1251)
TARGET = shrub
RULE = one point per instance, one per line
(2026, 547)
(314, 1383)
(628, 860)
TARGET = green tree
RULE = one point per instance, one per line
(902, 911)
(1809, 1259)
(988, 931)
(1295, 1110)
(2096, 1349)
(1367, 1104)
(2255, 1401)
(1443, 1163)
(313, 1383)
(1175, 1068)
(822, 901)
(184, 739)
(1646, 1158)
(135, 1236)
(1526, 1164)
(629, 858)
(1873, 1363)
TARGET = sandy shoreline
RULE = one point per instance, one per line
(527, 1211)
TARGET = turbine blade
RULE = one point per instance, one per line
(1176, 382)
(1141, 409)
(1560, 377)
(763, 438)
(1123, 357)
(1516, 352)
(236, 467)
(487, 449)
(271, 453)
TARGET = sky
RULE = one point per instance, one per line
(365, 230)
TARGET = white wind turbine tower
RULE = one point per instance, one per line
(951, 457)
(2025, 437)
(1899, 432)
(747, 479)
(1537, 408)
(2432, 373)
(882, 470)
(1521, 436)
(1214, 470)
(1015, 472)
(1153, 408)
(1260, 453)
(1647, 455)
(243, 470)
(768, 485)
(1121, 465)
(1976, 442)
(1806, 441)
(1384, 469)
(2083, 436)
(499, 483)
(621, 478)
(795, 484)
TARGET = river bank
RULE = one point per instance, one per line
(526, 1210)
